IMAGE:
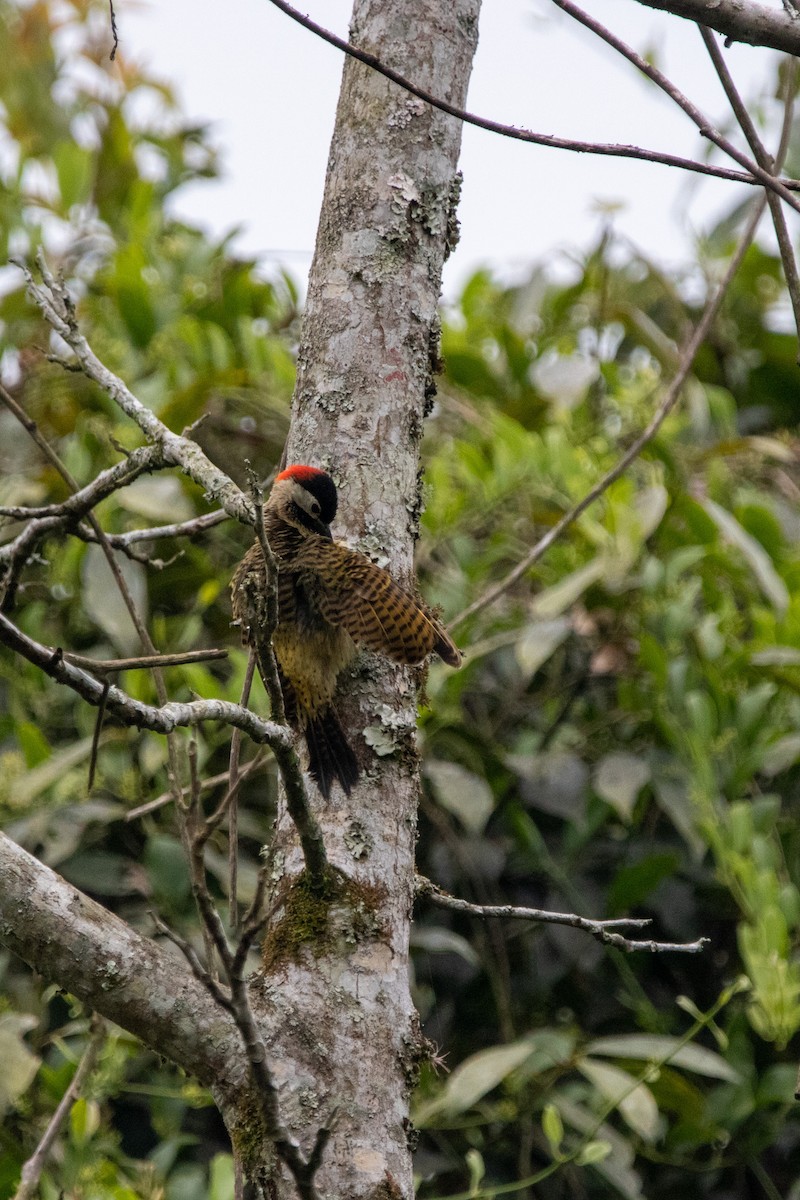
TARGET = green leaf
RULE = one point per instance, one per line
(32, 743)
(780, 755)
(651, 1047)
(556, 599)
(479, 1074)
(84, 1120)
(539, 641)
(618, 779)
(754, 554)
(436, 940)
(19, 1063)
(221, 1178)
(634, 883)
(635, 1101)
(47, 773)
(462, 793)
(103, 600)
(592, 1152)
(552, 1127)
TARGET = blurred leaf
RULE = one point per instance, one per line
(437, 940)
(658, 1047)
(472, 1079)
(104, 603)
(781, 755)
(463, 794)
(618, 779)
(552, 1127)
(635, 1103)
(633, 884)
(34, 782)
(159, 498)
(753, 552)
(19, 1064)
(557, 599)
(221, 1181)
(539, 641)
(84, 1120)
(484, 1071)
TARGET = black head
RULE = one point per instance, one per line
(314, 494)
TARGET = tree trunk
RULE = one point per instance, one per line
(334, 991)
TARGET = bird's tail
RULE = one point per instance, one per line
(329, 753)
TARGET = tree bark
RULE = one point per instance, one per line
(345, 1035)
(142, 986)
(739, 20)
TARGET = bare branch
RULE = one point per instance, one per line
(32, 1169)
(230, 800)
(515, 131)
(189, 529)
(165, 719)
(604, 931)
(110, 666)
(702, 122)
(764, 159)
(58, 309)
(748, 22)
(668, 402)
(211, 782)
(201, 974)
(122, 587)
(196, 831)
(69, 938)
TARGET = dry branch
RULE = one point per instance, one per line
(739, 21)
(667, 403)
(516, 132)
(90, 952)
(58, 309)
(33, 1167)
(163, 719)
(604, 931)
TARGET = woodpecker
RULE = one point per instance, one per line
(331, 600)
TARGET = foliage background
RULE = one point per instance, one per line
(624, 735)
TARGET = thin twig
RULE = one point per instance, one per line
(110, 666)
(194, 831)
(201, 974)
(33, 1167)
(119, 579)
(231, 801)
(668, 402)
(113, 16)
(128, 711)
(604, 931)
(98, 729)
(267, 664)
(58, 309)
(515, 131)
(764, 158)
(705, 127)
(211, 782)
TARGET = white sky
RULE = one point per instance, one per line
(270, 88)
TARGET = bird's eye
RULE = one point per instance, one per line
(315, 509)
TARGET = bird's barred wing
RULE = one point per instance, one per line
(364, 600)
